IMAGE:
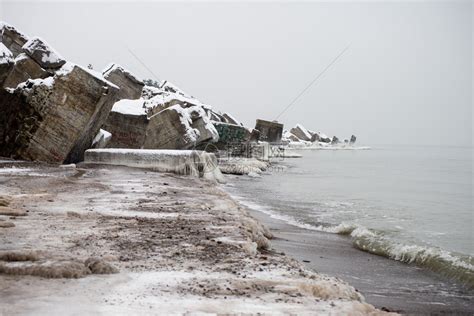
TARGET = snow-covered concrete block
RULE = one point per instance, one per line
(288, 136)
(6, 62)
(269, 131)
(43, 53)
(128, 123)
(183, 162)
(12, 38)
(176, 127)
(130, 86)
(101, 139)
(171, 129)
(54, 119)
(24, 68)
(301, 132)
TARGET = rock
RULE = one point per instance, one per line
(269, 131)
(6, 62)
(334, 140)
(12, 38)
(127, 122)
(301, 132)
(54, 119)
(43, 54)
(130, 86)
(353, 139)
(24, 68)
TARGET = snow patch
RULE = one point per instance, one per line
(130, 107)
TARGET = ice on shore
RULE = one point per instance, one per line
(182, 162)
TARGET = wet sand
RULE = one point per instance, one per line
(384, 283)
(176, 245)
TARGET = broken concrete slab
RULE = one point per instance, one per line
(174, 128)
(101, 139)
(353, 139)
(170, 129)
(269, 131)
(128, 123)
(301, 132)
(231, 134)
(202, 123)
(43, 53)
(54, 119)
(24, 68)
(130, 86)
(12, 38)
(182, 162)
(6, 62)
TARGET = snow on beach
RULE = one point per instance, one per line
(179, 245)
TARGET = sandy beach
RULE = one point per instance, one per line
(103, 240)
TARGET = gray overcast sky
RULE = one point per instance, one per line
(406, 78)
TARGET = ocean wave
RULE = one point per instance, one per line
(452, 265)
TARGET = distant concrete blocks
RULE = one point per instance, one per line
(269, 131)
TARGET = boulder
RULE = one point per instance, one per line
(353, 139)
(130, 86)
(301, 132)
(12, 38)
(43, 54)
(6, 62)
(269, 131)
(54, 119)
(128, 123)
(24, 68)
(334, 140)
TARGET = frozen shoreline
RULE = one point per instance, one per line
(180, 244)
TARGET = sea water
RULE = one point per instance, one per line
(408, 203)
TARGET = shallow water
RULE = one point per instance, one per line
(411, 204)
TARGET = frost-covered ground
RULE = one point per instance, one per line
(179, 244)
